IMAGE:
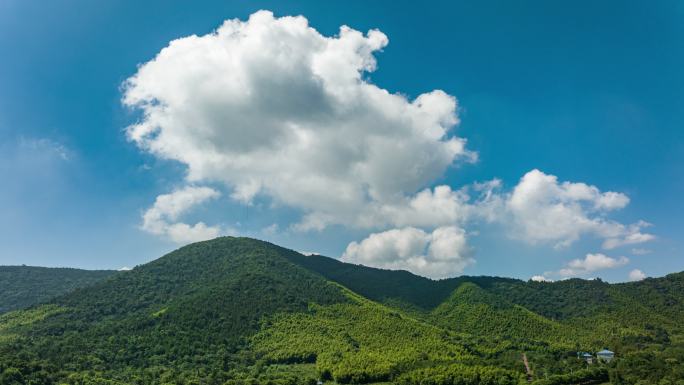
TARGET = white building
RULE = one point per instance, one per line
(605, 355)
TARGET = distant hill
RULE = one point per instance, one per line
(243, 311)
(24, 286)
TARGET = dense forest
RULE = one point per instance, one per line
(23, 286)
(243, 311)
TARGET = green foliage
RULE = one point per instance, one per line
(195, 307)
(241, 311)
(387, 286)
(356, 342)
(460, 375)
(24, 286)
(595, 375)
(473, 310)
(658, 364)
(21, 318)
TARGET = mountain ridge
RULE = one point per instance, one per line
(240, 310)
(22, 286)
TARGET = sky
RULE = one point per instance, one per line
(526, 139)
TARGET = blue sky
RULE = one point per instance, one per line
(589, 93)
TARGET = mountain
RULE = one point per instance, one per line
(243, 311)
(23, 286)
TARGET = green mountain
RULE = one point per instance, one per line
(243, 311)
(23, 286)
(473, 310)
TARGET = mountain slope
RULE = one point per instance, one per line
(203, 297)
(386, 286)
(584, 311)
(605, 313)
(395, 287)
(23, 286)
(218, 311)
(473, 310)
(242, 311)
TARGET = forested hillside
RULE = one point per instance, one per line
(242, 311)
(23, 286)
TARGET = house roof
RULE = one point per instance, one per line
(605, 351)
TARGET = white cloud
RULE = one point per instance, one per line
(631, 235)
(184, 233)
(598, 261)
(161, 218)
(591, 263)
(440, 206)
(46, 147)
(124, 268)
(271, 229)
(442, 253)
(544, 210)
(639, 251)
(271, 107)
(540, 278)
(636, 275)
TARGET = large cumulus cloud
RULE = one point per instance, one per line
(270, 106)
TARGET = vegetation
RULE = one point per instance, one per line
(460, 375)
(473, 310)
(595, 375)
(241, 311)
(24, 286)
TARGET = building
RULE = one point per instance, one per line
(605, 355)
(587, 357)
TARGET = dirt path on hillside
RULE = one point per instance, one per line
(527, 367)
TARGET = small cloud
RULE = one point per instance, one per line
(440, 254)
(270, 230)
(540, 278)
(598, 261)
(545, 210)
(309, 253)
(637, 251)
(184, 233)
(47, 146)
(161, 218)
(636, 275)
(632, 236)
(124, 268)
(590, 264)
